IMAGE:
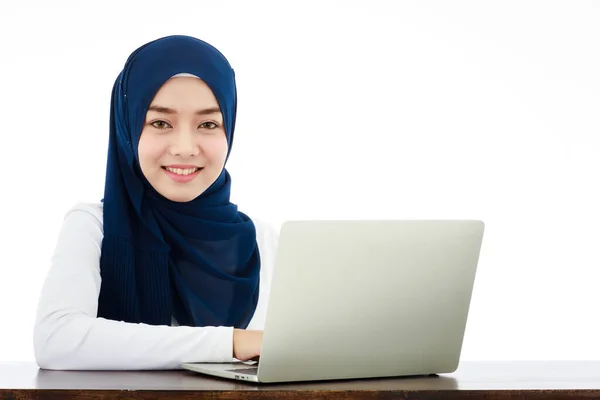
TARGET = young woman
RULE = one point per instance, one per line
(165, 269)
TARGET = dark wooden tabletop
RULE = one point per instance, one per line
(473, 380)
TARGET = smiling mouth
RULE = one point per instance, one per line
(182, 172)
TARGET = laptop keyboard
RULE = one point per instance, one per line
(247, 371)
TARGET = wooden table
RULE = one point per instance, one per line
(473, 380)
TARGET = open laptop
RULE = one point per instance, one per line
(364, 299)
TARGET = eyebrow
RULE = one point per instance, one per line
(167, 110)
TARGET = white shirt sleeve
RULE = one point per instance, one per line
(68, 335)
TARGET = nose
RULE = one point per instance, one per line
(184, 144)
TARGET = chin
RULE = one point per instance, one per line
(180, 198)
(183, 194)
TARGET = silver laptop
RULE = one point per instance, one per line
(364, 299)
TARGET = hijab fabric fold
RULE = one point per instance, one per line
(197, 261)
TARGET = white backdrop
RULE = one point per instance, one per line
(348, 109)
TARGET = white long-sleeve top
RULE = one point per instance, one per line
(68, 334)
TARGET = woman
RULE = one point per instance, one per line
(165, 270)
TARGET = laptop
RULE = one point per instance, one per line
(364, 299)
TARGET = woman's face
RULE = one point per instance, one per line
(183, 146)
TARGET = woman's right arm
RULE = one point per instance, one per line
(68, 335)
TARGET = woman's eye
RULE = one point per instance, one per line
(209, 125)
(160, 125)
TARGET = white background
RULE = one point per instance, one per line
(348, 109)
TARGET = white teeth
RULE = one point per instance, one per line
(180, 171)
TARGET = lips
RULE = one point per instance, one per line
(182, 170)
(181, 175)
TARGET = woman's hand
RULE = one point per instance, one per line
(247, 344)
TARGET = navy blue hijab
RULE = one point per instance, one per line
(196, 261)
